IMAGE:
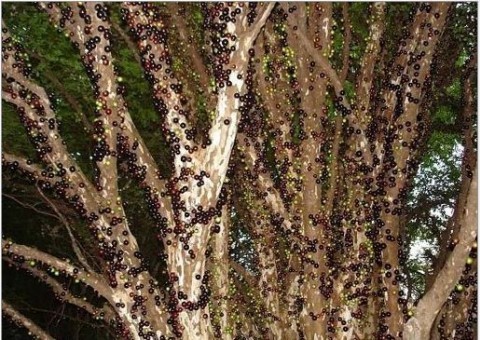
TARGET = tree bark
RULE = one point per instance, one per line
(317, 176)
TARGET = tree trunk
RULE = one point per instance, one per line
(310, 149)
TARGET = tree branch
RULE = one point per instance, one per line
(325, 65)
(34, 108)
(25, 322)
(219, 265)
(366, 74)
(418, 327)
(364, 83)
(312, 88)
(97, 59)
(272, 93)
(260, 175)
(71, 100)
(74, 242)
(61, 291)
(31, 207)
(114, 117)
(25, 166)
(333, 179)
(151, 36)
(26, 253)
(224, 129)
(114, 127)
(456, 311)
(469, 162)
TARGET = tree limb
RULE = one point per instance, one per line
(151, 37)
(325, 65)
(74, 241)
(71, 100)
(366, 74)
(35, 112)
(272, 91)
(61, 291)
(262, 180)
(102, 76)
(93, 280)
(224, 128)
(30, 206)
(17, 317)
(219, 265)
(418, 327)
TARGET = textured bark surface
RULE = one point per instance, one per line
(315, 175)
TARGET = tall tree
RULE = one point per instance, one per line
(288, 140)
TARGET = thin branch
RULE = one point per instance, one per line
(25, 322)
(31, 207)
(70, 317)
(325, 65)
(74, 242)
(33, 172)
